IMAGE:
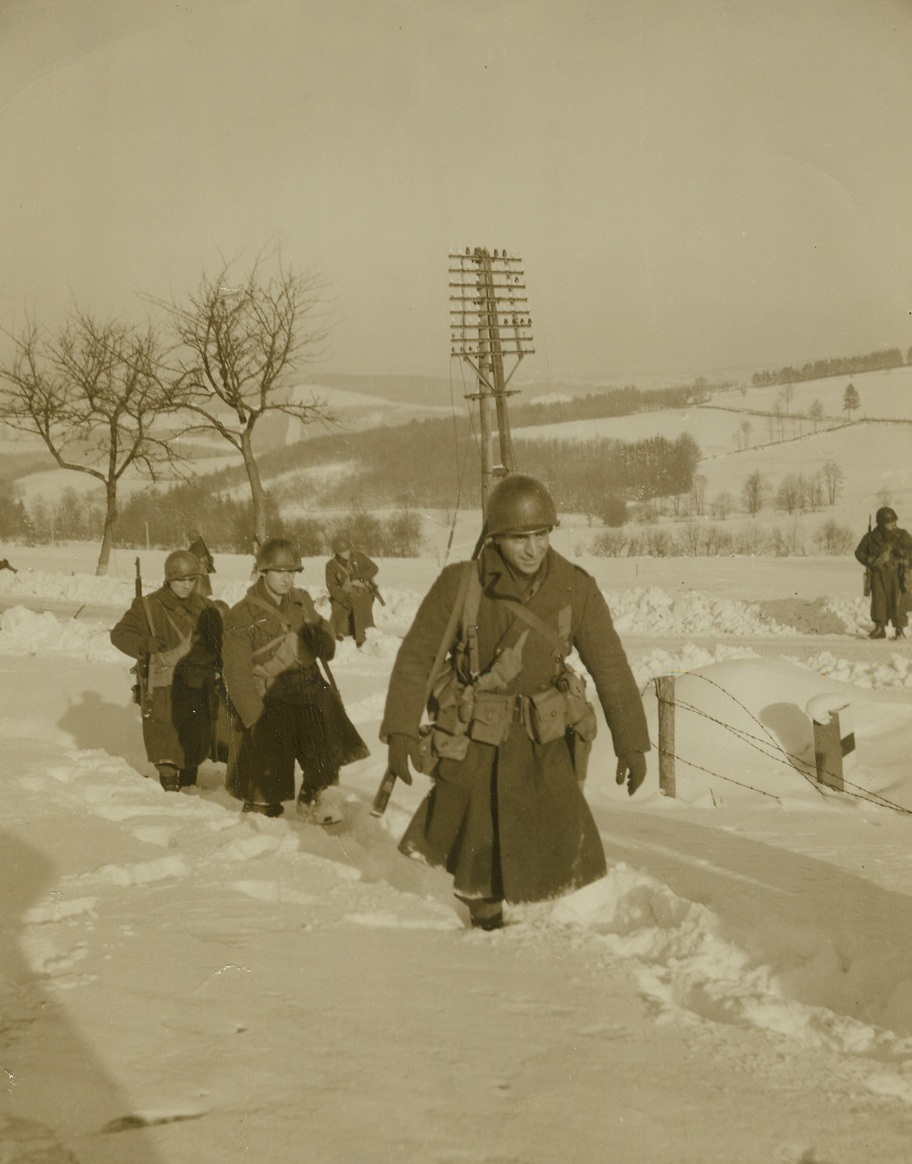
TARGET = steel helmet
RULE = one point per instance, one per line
(885, 515)
(278, 554)
(341, 544)
(182, 564)
(519, 504)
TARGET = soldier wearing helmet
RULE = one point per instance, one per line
(511, 727)
(282, 710)
(174, 634)
(350, 584)
(886, 554)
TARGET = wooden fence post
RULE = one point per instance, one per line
(829, 748)
(665, 694)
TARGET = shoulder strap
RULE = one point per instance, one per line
(456, 614)
(255, 600)
(148, 609)
(554, 637)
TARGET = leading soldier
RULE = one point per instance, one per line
(173, 634)
(511, 731)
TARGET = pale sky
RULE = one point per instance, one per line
(693, 185)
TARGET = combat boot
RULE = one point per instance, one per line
(486, 915)
(262, 808)
(188, 777)
(318, 806)
(169, 776)
(879, 631)
(900, 633)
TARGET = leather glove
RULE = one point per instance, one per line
(632, 768)
(398, 757)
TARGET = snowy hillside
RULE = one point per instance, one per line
(185, 983)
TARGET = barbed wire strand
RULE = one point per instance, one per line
(769, 747)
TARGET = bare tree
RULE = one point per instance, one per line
(95, 395)
(834, 477)
(753, 491)
(790, 495)
(746, 427)
(240, 345)
(815, 412)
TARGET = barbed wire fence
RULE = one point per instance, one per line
(763, 741)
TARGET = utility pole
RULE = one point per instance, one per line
(490, 321)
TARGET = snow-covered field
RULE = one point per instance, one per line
(183, 983)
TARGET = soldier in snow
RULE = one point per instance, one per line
(282, 709)
(350, 583)
(173, 634)
(886, 554)
(487, 653)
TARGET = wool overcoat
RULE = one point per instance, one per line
(510, 821)
(179, 730)
(350, 594)
(299, 717)
(891, 580)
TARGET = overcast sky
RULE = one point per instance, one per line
(693, 185)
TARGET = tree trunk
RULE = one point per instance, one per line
(257, 493)
(107, 540)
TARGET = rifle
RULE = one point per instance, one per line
(381, 800)
(866, 586)
(372, 587)
(142, 693)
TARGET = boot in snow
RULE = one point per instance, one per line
(879, 631)
(169, 776)
(318, 806)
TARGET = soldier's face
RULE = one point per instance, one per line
(525, 552)
(183, 587)
(279, 582)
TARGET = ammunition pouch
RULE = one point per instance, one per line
(493, 716)
(548, 715)
(433, 745)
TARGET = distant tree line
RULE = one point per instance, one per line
(627, 401)
(705, 540)
(838, 366)
(162, 518)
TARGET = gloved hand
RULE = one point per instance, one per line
(398, 758)
(882, 559)
(632, 768)
(152, 645)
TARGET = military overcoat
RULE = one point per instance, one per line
(510, 820)
(298, 716)
(891, 580)
(351, 596)
(179, 730)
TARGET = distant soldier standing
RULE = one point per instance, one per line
(282, 710)
(350, 583)
(506, 815)
(173, 634)
(886, 554)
